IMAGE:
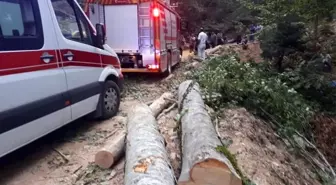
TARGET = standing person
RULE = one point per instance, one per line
(220, 40)
(208, 43)
(213, 39)
(192, 43)
(244, 43)
(225, 40)
(239, 39)
(202, 41)
(182, 43)
(252, 32)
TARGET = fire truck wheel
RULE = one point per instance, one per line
(169, 65)
(110, 100)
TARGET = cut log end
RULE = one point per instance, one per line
(202, 164)
(112, 151)
(104, 159)
(211, 171)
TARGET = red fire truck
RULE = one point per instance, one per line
(144, 33)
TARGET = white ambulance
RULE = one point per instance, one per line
(54, 68)
(144, 33)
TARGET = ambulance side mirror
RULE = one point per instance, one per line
(100, 39)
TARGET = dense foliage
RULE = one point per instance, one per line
(281, 41)
(246, 84)
(313, 85)
(299, 42)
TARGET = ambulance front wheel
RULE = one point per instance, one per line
(110, 100)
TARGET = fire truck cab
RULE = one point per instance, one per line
(144, 33)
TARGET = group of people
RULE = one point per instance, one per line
(205, 40)
(198, 44)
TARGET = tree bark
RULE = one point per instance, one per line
(147, 162)
(160, 104)
(202, 164)
(112, 151)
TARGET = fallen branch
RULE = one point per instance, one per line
(166, 111)
(160, 104)
(147, 161)
(111, 134)
(76, 170)
(171, 100)
(201, 163)
(111, 152)
(61, 154)
(311, 145)
(304, 152)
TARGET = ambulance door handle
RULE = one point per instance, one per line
(69, 56)
(46, 57)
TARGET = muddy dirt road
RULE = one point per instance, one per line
(41, 163)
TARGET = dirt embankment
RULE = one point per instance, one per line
(260, 153)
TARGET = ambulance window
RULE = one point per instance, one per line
(85, 27)
(70, 21)
(20, 25)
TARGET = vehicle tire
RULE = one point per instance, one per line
(169, 65)
(110, 100)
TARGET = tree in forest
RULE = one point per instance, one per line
(286, 18)
(313, 12)
(218, 15)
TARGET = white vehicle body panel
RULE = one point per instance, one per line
(122, 27)
(9, 141)
(19, 90)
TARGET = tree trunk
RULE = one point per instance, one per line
(316, 32)
(147, 162)
(112, 151)
(279, 63)
(202, 164)
(160, 104)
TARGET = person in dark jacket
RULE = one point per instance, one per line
(213, 39)
(238, 39)
(252, 32)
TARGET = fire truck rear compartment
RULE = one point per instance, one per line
(131, 61)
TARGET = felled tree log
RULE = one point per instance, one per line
(160, 104)
(213, 50)
(111, 152)
(147, 162)
(201, 163)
